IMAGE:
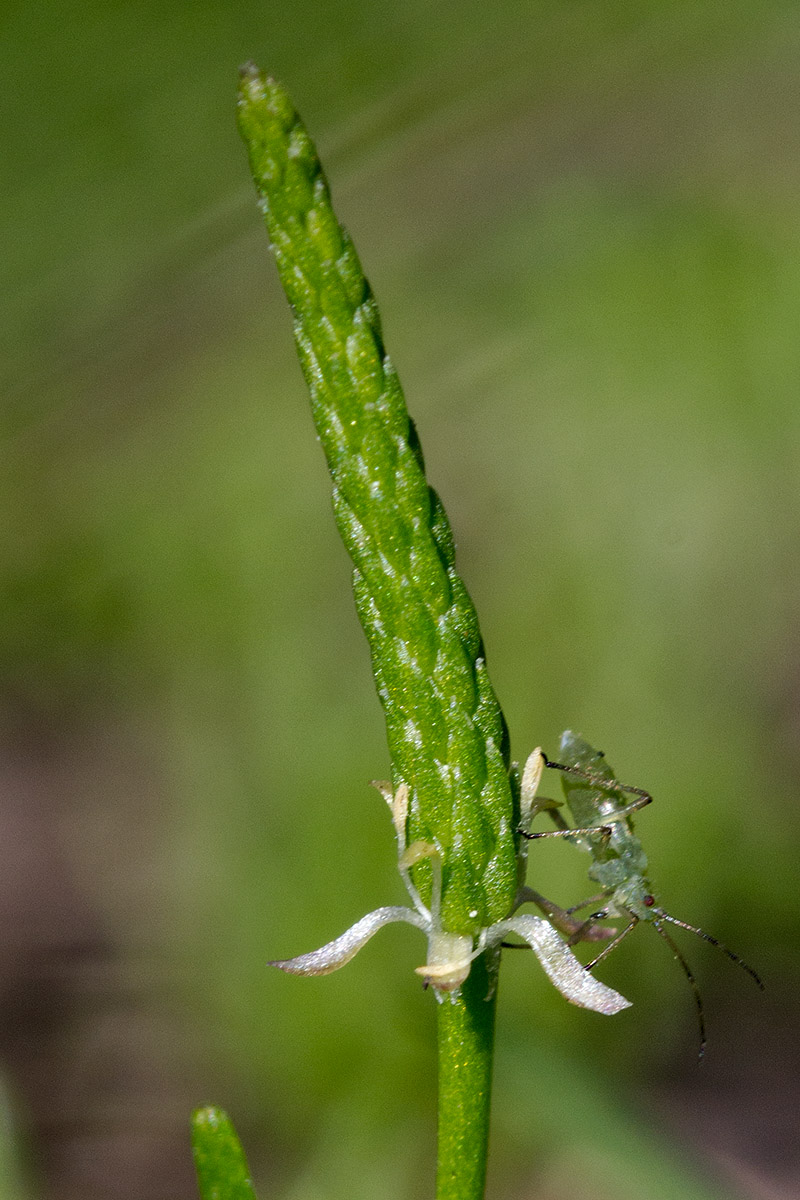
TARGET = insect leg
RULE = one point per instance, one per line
(587, 931)
(603, 830)
(564, 922)
(551, 807)
(714, 942)
(612, 945)
(585, 903)
(606, 785)
(661, 931)
(633, 807)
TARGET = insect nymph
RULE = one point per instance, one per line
(602, 808)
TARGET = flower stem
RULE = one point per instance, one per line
(466, 1043)
(446, 731)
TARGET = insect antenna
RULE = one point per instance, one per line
(661, 931)
(714, 942)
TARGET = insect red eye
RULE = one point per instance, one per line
(649, 901)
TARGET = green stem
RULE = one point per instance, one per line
(466, 1045)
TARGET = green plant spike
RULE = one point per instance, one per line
(447, 737)
(453, 799)
(222, 1172)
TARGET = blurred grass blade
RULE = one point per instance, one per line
(219, 1160)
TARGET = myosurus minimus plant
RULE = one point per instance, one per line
(460, 809)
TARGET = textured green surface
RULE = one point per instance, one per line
(222, 1172)
(447, 736)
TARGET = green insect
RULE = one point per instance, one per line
(599, 806)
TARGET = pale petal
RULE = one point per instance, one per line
(450, 956)
(562, 967)
(529, 786)
(338, 952)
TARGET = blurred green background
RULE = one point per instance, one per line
(581, 224)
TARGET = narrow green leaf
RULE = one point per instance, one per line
(446, 732)
(219, 1160)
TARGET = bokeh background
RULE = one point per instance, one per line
(581, 221)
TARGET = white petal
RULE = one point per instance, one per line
(338, 952)
(562, 967)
